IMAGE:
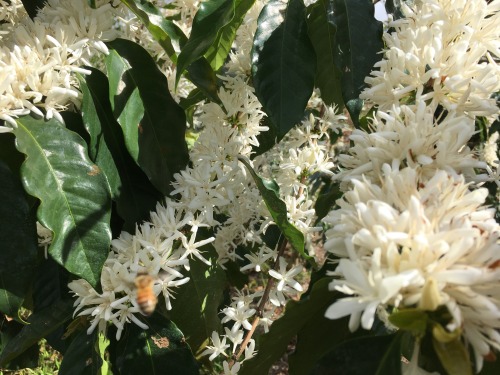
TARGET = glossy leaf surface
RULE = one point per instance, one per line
(283, 63)
(153, 123)
(74, 194)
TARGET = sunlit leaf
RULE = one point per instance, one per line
(131, 189)
(153, 123)
(74, 194)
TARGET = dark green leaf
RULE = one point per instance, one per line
(161, 349)
(161, 29)
(135, 196)
(326, 200)
(391, 360)
(283, 63)
(9, 154)
(266, 139)
(211, 18)
(355, 106)
(194, 97)
(49, 288)
(32, 6)
(453, 356)
(152, 122)
(322, 35)
(305, 318)
(202, 75)
(360, 356)
(29, 358)
(358, 46)
(491, 367)
(318, 335)
(74, 194)
(81, 357)
(196, 305)
(40, 325)
(219, 49)
(269, 190)
(18, 243)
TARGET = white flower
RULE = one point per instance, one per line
(410, 136)
(240, 313)
(286, 277)
(218, 347)
(236, 337)
(258, 260)
(250, 350)
(411, 242)
(233, 370)
(442, 53)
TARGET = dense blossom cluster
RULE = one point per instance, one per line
(38, 57)
(412, 229)
(215, 191)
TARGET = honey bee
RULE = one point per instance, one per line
(145, 295)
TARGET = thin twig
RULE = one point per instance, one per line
(263, 301)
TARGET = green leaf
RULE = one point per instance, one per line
(18, 239)
(40, 325)
(490, 367)
(29, 358)
(318, 335)
(306, 319)
(269, 190)
(161, 29)
(391, 360)
(81, 357)
(266, 139)
(9, 154)
(358, 356)
(208, 24)
(153, 123)
(196, 305)
(453, 356)
(219, 49)
(134, 194)
(74, 194)
(358, 45)
(283, 63)
(50, 287)
(322, 34)
(411, 319)
(161, 349)
(326, 200)
(203, 76)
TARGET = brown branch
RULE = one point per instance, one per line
(263, 302)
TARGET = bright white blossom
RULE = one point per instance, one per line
(217, 348)
(442, 52)
(406, 241)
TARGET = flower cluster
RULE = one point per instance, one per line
(38, 57)
(412, 229)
